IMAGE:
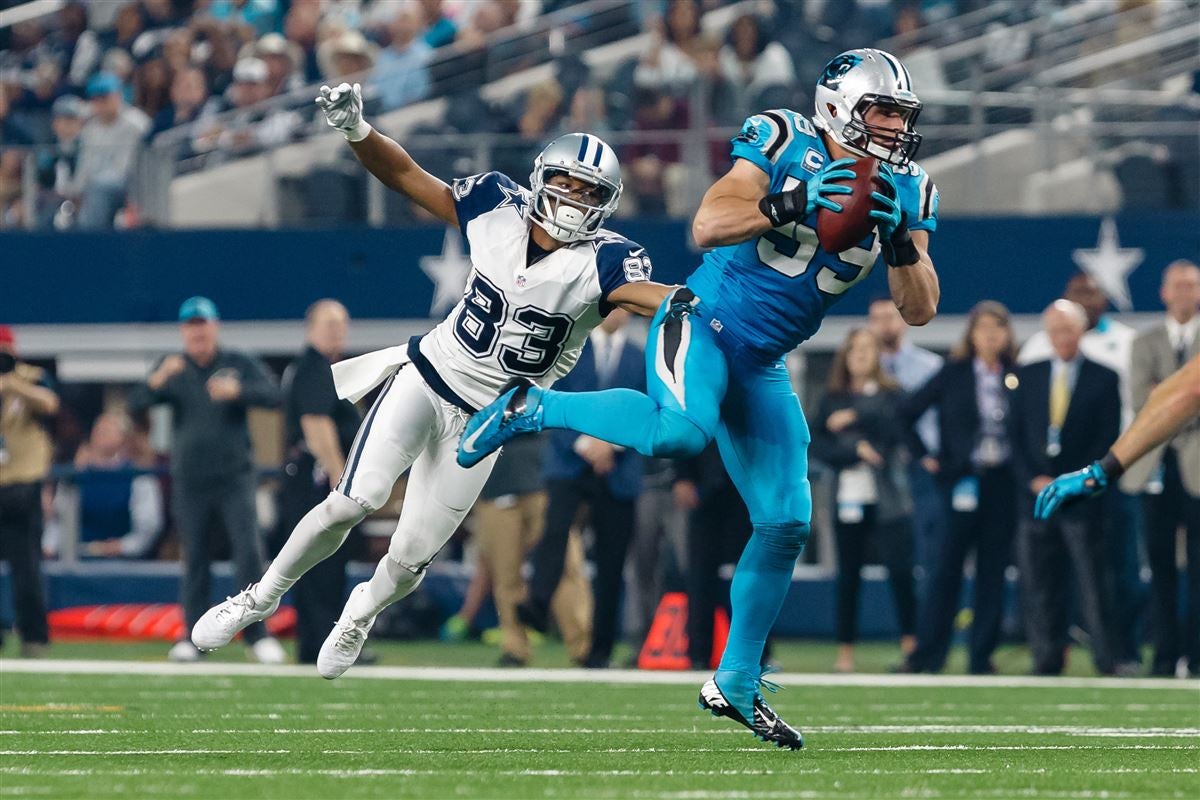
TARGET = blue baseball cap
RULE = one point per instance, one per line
(198, 308)
(103, 83)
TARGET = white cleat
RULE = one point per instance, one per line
(268, 650)
(183, 652)
(225, 620)
(345, 642)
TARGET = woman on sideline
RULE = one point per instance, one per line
(859, 434)
(974, 475)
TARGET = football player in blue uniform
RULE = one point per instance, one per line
(716, 347)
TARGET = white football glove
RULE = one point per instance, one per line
(343, 109)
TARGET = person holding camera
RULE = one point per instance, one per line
(27, 401)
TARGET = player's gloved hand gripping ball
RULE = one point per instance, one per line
(343, 109)
(796, 204)
(894, 238)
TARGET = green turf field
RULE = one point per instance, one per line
(501, 735)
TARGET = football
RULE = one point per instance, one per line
(837, 232)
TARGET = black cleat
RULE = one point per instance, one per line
(531, 615)
(767, 725)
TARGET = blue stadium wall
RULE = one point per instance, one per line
(141, 276)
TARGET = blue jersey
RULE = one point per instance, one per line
(771, 293)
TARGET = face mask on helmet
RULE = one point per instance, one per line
(570, 214)
(896, 147)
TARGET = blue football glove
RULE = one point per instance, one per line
(796, 204)
(1070, 488)
(894, 239)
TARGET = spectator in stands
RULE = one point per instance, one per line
(669, 63)
(151, 82)
(210, 389)
(190, 105)
(217, 46)
(127, 26)
(718, 527)
(858, 432)
(655, 167)
(508, 522)
(177, 50)
(752, 62)
(283, 60)
(261, 15)
(912, 367)
(535, 126)
(76, 47)
(120, 512)
(252, 126)
(579, 470)
(319, 430)
(108, 149)
(27, 401)
(1065, 411)
(437, 28)
(300, 28)
(1109, 342)
(1169, 477)
(401, 74)
(56, 167)
(974, 473)
(486, 18)
(345, 56)
(586, 113)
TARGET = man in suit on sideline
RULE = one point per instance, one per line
(1065, 411)
(580, 469)
(1169, 476)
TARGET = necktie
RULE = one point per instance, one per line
(1060, 397)
(1181, 349)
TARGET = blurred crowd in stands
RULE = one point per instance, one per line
(87, 89)
(927, 465)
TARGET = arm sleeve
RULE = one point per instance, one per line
(146, 515)
(618, 262)
(479, 194)
(258, 387)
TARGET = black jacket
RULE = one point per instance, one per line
(880, 424)
(1093, 421)
(952, 392)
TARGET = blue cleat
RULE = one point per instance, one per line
(765, 724)
(518, 410)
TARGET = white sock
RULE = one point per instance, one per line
(389, 583)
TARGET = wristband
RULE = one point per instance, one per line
(359, 132)
(1111, 466)
(899, 251)
(780, 208)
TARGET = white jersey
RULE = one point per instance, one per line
(518, 319)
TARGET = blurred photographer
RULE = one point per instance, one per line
(26, 403)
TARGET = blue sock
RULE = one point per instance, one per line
(760, 584)
(627, 418)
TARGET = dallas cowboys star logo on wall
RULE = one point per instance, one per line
(514, 198)
(448, 271)
(1110, 264)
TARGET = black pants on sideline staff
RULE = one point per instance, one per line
(894, 548)
(988, 530)
(319, 595)
(1071, 544)
(717, 532)
(1164, 514)
(612, 521)
(21, 547)
(197, 507)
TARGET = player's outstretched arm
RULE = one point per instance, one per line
(382, 156)
(1171, 405)
(640, 297)
(729, 212)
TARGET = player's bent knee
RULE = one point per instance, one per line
(786, 538)
(678, 436)
(339, 512)
(370, 490)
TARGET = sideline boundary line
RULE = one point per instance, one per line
(610, 676)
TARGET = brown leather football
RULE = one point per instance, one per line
(837, 232)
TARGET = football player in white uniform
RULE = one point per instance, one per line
(544, 273)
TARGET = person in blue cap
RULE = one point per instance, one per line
(108, 148)
(210, 388)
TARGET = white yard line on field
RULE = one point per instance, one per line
(611, 676)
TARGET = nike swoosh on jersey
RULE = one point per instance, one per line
(469, 442)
